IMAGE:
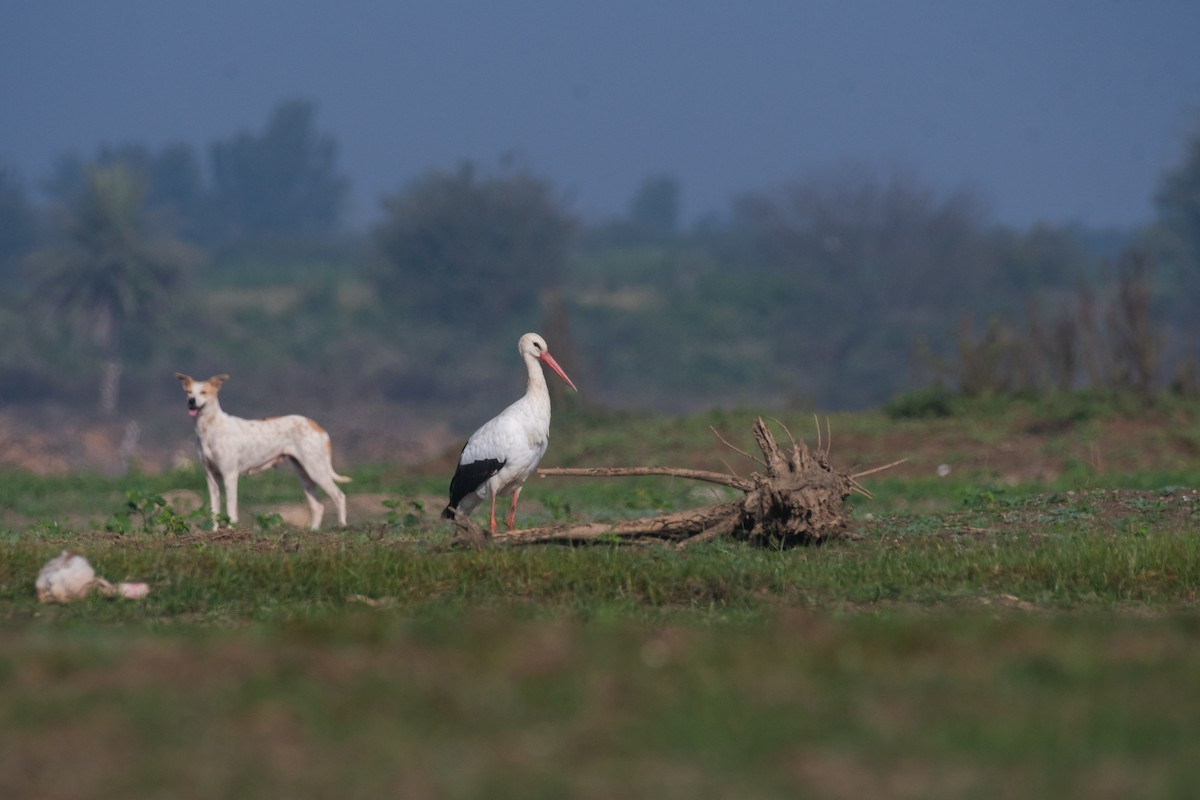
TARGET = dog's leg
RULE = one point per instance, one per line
(314, 462)
(339, 497)
(214, 495)
(231, 499)
(316, 509)
(324, 477)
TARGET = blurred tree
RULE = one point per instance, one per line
(651, 220)
(176, 187)
(67, 178)
(1178, 199)
(172, 178)
(1039, 258)
(861, 263)
(473, 249)
(1174, 241)
(18, 224)
(112, 271)
(283, 181)
(1134, 328)
(888, 241)
(654, 209)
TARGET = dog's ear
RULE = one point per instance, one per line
(217, 380)
(186, 380)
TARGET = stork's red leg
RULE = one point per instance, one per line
(512, 512)
(493, 512)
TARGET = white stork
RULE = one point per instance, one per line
(504, 452)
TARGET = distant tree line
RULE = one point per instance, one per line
(280, 181)
(840, 288)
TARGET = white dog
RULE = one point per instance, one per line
(231, 446)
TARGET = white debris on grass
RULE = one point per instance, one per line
(69, 577)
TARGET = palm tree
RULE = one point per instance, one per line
(112, 269)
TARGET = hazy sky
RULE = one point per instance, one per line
(1053, 111)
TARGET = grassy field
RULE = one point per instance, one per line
(1024, 624)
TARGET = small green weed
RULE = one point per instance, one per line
(46, 528)
(990, 499)
(404, 515)
(932, 402)
(148, 513)
(558, 506)
(265, 521)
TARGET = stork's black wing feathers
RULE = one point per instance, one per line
(469, 477)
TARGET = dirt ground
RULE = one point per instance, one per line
(57, 441)
(60, 441)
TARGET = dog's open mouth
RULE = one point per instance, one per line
(193, 409)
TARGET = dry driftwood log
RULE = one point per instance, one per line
(798, 499)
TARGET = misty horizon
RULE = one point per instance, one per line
(1058, 113)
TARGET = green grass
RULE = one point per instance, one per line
(920, 562)
(484, 704)
(968, 637)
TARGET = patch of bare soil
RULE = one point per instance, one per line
(231, 538)
(365, 509)
(1026, 453)
(1113, 507)
(1101, 511)
(361, 508)
(57, 441)
(55, 444)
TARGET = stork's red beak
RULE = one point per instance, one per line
(549, 361)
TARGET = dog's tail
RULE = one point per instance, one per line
(341, 478)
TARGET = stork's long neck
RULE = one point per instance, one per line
(536, 392)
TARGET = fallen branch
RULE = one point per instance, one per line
(678, 526)
(866, 472)
(674, 472)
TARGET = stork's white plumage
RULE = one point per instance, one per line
(504, 452)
